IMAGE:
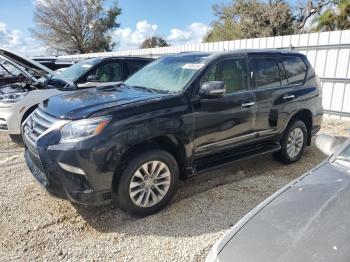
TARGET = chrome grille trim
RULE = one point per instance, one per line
(34, 126)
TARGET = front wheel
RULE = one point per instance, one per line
(147, 183)
(293, 142)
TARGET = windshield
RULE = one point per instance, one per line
(170, 74)
(74, 72)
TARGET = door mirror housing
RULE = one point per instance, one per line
(327, 144)
(212, 89)
(92, 78)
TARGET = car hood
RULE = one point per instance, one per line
(306, 221)
(83, 103)
(30, 64)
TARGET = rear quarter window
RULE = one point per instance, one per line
(295, 69)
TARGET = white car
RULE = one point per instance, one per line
(18, 100)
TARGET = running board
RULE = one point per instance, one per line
(218, 160)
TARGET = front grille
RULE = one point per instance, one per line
(36, 124)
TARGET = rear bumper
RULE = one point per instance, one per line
(65, 185)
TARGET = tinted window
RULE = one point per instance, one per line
(110, 72)
(232, 72)
(135, 65)
(266, 72)
(295, 69)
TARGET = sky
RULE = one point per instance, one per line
(178, 21)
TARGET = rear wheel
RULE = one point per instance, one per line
(293, 142)
(147, 183)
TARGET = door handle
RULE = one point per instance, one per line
(287, 97)
(248, 104)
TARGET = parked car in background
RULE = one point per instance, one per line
(54, 63)
(10, 74)
(20, 99)
(307, 220)
(178, 116)
(103, 71)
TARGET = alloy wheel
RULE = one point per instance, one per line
(295, 142)
(150, 184)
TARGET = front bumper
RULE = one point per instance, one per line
(6, 120)
(94, 188)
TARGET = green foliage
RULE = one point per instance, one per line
(154, 42)
(75, 26)
(335, 17)
(249, 19)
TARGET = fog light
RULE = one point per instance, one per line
(72, 169)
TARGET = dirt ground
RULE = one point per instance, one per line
(35, 226)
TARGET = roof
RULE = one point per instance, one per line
(238, 51)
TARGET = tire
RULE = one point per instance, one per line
(17, 139)
(293, 142)
(133, 197)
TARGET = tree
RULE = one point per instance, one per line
(154, 42)
(254, 18)
(335, 17)
(75, 26)
(250, 19)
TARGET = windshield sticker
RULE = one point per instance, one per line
(87, 66)
(192, 66)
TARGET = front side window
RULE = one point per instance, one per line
(135, 65)
(110, 72)
(295, 69)
(168, 74)
(233, 72)
(266, 73)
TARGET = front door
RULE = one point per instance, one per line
(223, 123)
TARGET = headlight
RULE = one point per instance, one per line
(79, 130)
(12, 98)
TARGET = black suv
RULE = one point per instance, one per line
(177, 116)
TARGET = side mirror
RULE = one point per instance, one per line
(212, 89)
(92, 78)
(327, 144)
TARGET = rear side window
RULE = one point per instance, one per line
(295, 69)
(266, 72)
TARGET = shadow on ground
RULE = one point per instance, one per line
(197, 209)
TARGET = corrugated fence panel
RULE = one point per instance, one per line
(328, 52)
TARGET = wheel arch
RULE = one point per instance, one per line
(28, 112)
(304, 115)
(170, 143)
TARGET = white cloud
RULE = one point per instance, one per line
(126, 38)
(193, 34)
(15, 41)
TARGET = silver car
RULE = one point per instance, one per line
(307, 220)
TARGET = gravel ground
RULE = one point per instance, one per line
(35, 226)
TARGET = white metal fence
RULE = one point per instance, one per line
(328, 52)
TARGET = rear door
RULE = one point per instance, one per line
(226, 122)
(271, 91)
